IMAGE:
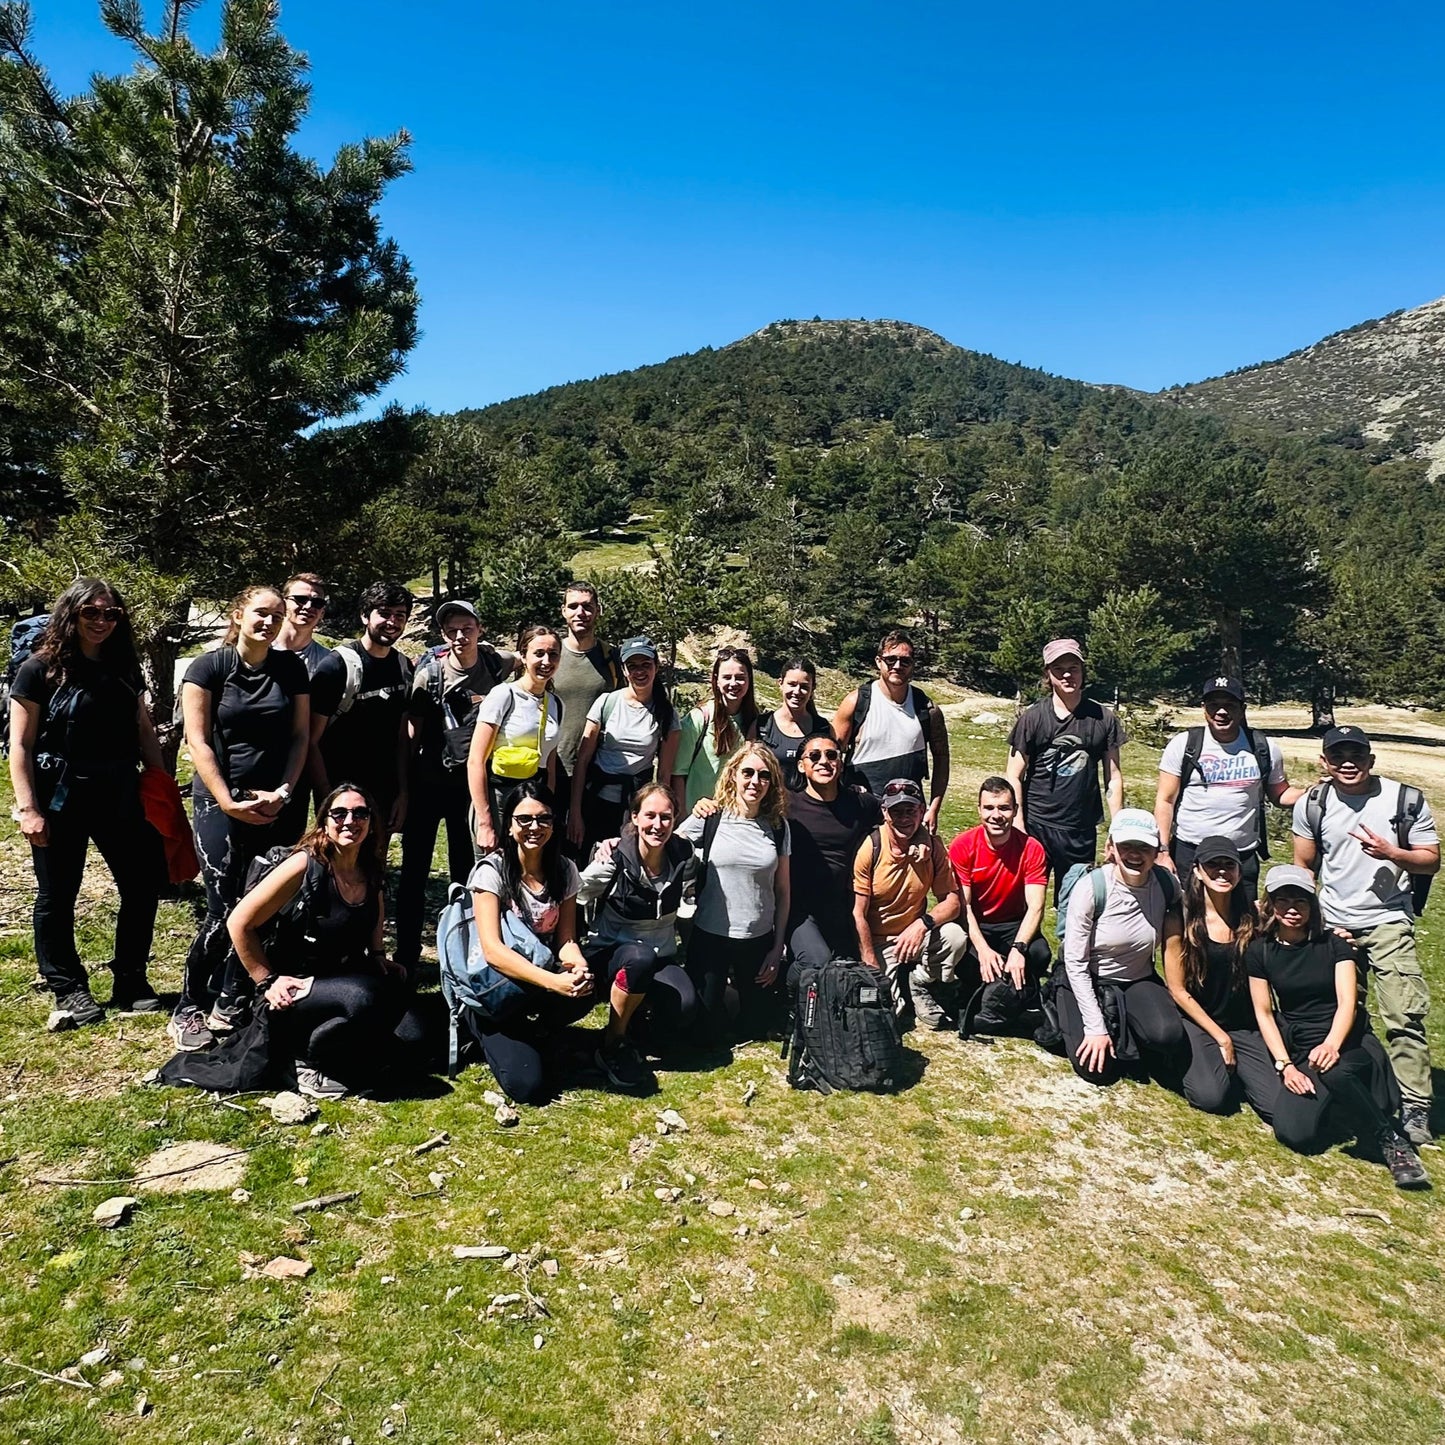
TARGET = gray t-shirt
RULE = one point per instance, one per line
(580, 679)
(541, 912)
(738, 901)
(1227, 800)
(312, 654)
(629, 739)
(1126, 937)
(1357, 891)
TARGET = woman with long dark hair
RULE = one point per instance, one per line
(1204, 971)
(310, 937)
(713, 732)
(629, 738)
(524, 901)
(1305, 985)
(247, 709)
(79, 731)
(788, 727)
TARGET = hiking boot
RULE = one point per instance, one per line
(79, 1007)
(188, 1030)
(227, 1014)
(623, 1066)
(316, 1085)
(132, 993)
(1402, 1161)
(1415, 1123)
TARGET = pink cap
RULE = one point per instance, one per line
(1061, 647)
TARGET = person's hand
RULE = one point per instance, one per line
(34, 828)
(574, 825)
(991, 963)
(930, 815)
(1166, 861)
(1093, 1052)
(1297, 1082)
(769, 971)
(282, 990)
(269, 803)
(397, 817)
(1343, 933)
(603, 852)
(1014, 966)
(1373, 845)
(1324, 1056)
(486, 835)
(1226, 1049)
(570, 984)
(909, 944)
(248, 810)
(704, 807)
(391, 966)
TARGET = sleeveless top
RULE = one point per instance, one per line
(891, 743)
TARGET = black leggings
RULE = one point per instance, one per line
(816, 939)
(109, 815)
(1211, 1087)
(672, 1001)
(711, 961)
(226, 849)
(514, 1049)
(342, 1025)
(1154, 1025)
(1363, 1087)
(432, 803)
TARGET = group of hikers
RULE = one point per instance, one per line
(617, 851)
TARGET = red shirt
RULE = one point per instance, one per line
(996, 881)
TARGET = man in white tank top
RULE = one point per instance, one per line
(889, 728)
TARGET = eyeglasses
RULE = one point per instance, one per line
(897, 660)
(760, 774)
(823, 755)
(94, 612)
(360, 814)
(303, 600)
(532, 820)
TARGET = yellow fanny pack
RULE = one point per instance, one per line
(518, 761)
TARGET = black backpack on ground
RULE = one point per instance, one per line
(845, 1033)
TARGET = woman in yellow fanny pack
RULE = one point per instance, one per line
(516, 734)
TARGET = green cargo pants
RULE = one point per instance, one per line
(1401, 1000)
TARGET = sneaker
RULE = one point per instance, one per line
(227, 1014)
(623, 1066)
(79, 1007)
(1415, 1123)
(188, 1030)
(316, 1085)
(133, 994)
(1403, 1162)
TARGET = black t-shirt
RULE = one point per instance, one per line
(102, 734)
(1061, 775)
(447, 725)
(360, 745)
(1302, 977)
(1228, 1005)
(785, 745)
(252, 726)
(826, 838)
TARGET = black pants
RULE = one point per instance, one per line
(1361, 1086)
(1211, 1087)
(1001, 1003)
(1154, 1026)
(108, 814)
(226, 849)
(1183, 855)
(711, 961)
(515, 1049)
(432, 802)
(815, 939)
(341, 1027)
(1063, 847)
(672, 1002)
(601, 817)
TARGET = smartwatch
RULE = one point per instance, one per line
(928, 922)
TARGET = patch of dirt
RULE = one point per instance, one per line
(196, 1164)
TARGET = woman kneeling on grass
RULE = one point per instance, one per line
(1305, 985)
(524, 900)
(321, 967)
(636, 882)
(1204, 968)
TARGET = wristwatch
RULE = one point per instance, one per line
(928, 923)
(1280, 1065)
(1022, 947)
(284, 792)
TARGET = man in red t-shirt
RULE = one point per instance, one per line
(1003, 874)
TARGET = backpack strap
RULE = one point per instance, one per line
(923, 711)
(710, 825)
(350, 655)
(701, 735)
(861, 703)
(1259, 746)
(1408, 804)
(1316, 800)
(1168, 884)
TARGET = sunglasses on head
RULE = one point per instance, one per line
(359, 814)
(94, 612)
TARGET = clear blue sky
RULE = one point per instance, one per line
(1133, 193)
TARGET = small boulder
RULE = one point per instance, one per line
(115, 1212)
(722, 1208)
(284, 1267)
(289, 1108)
(671, 1122)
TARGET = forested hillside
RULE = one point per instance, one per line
(817, 480)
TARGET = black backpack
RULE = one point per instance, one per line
(456, 734)
(1258, 745)
(845, 1033)
(291, 921)
(23, 639)
(1408, 804)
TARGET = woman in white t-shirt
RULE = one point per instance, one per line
(528, 890)
(512, 718)
(628, 734)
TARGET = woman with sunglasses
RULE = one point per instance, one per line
(634, 884)
(628, 734)
(1204, 972)
(516, 734)
(79, 730)
(528, 889)
(712, 732)
(787, 729)
(247, 707)
(310, 937)
(743, 895)
(1304, 982)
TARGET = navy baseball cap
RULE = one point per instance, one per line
(1231, 685)
(1347, 735)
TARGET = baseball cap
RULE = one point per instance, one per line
(901, 790)
(1231, 685)
(1348, 733)
(1134, 825)
(1289, 875)
(637, 647)
(1214, 848)
(1061, 647)
(456, 605)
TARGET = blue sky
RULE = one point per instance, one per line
(1133, 193)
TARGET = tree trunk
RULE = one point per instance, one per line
(436, 581)
(159, 653)
(1322, 703)
(1230, 641)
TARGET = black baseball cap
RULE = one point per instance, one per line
(1231, 685)
(1217, 847)
(1346, 735)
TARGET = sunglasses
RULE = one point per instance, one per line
(1347, 755)
(303, 600)
(532, 820)
(359, 814)
(823, 755)
(760, 774)
(896, 659)
(94, 612)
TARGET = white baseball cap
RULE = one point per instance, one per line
(1134, 825)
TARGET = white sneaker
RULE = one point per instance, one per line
(316, 1085)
